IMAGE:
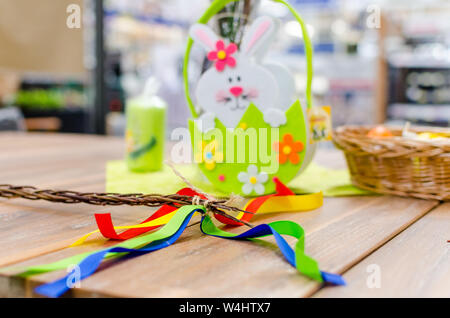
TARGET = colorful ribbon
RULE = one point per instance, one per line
(284, 200)
(138, 242)
(304, 264)
(164, 219)
(155, 241)
(168, 234)
(175, 221)
(108, 230)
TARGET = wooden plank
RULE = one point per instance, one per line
(16, 142)
(38, 227)
(36, 165)
(71, 162)
(339, 235)
(29, 231)
(416, 263)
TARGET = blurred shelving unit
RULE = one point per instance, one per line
(145, 38)
(345, 59)
(54, 105)
(45, 59)
(417, 63)
(395, 70)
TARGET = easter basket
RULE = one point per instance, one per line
(397, 165)
(252, 128)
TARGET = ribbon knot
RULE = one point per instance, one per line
(197, 200)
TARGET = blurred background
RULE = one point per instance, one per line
(375, 61)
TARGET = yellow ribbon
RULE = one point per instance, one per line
(157, 222)
(290, 203)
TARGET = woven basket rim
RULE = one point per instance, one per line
(397, 165)
(352, 137)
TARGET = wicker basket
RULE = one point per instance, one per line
(397, 165)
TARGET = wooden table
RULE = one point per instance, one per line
(401, 241)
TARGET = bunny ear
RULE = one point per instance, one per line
(258, 36)
(262, 50)
(203, 35)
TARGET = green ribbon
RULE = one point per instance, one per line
(304, 264)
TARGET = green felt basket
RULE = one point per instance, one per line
(282, 152)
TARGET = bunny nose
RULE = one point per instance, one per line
(236, 91)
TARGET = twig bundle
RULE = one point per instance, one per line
(216, 206)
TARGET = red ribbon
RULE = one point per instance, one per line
(106, 226)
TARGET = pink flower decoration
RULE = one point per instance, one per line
(223, 55)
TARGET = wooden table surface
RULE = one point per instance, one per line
(400, 241)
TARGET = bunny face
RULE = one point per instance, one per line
(236, 79)
(228, 94)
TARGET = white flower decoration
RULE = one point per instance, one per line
(275, 117)
(252, 180)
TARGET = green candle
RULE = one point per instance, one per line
(145, 133)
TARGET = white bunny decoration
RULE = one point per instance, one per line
(239, 78)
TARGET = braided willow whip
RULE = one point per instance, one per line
(216, 206)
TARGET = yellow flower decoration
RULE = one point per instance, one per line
(243, 126)
(208, 154)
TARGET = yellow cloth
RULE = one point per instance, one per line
(314, 179)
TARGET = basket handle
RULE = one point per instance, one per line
(218, 5)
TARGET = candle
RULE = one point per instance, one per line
(145, 132)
